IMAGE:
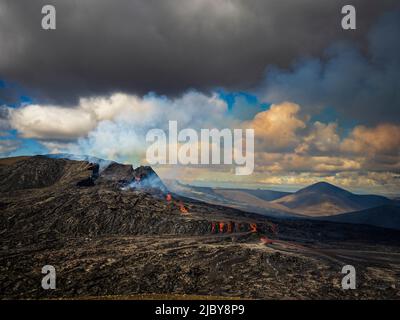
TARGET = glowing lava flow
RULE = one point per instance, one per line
(265, 240)
(183, 209)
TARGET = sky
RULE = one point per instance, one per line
(324, 102)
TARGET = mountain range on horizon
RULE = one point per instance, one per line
(321, 200)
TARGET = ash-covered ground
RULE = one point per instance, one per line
(119, 233)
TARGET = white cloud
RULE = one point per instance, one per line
(61, 123)
(52, 122)
(115, 127)
(7, 146)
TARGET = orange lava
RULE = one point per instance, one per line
(265, 240)
(183, 209)
(253, 227)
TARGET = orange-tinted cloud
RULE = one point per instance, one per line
(276, 128)
(322, 138)
(382, 139)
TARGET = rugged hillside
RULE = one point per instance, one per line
(324, 199)
(119, 231)
(101, 162)
(41, 172)
(48, 198)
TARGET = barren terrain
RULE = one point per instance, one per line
(111, 234)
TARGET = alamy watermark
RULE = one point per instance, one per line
(189, 147)
(349, 280)
(349, 20)
(49, 18)
(49, 280)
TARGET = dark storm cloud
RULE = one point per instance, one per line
(360, 87)
(4, 119)
(165, 46)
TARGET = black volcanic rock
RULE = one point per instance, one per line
(36, 172)
(107, 241)
(118, 172)
(70, 200)
(101, 162)
(145, 177)
(40, 172)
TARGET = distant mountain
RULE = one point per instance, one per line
(251, 200)
(387, 216)
(267, 195)
(324, 199)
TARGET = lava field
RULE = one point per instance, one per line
(119, 233)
